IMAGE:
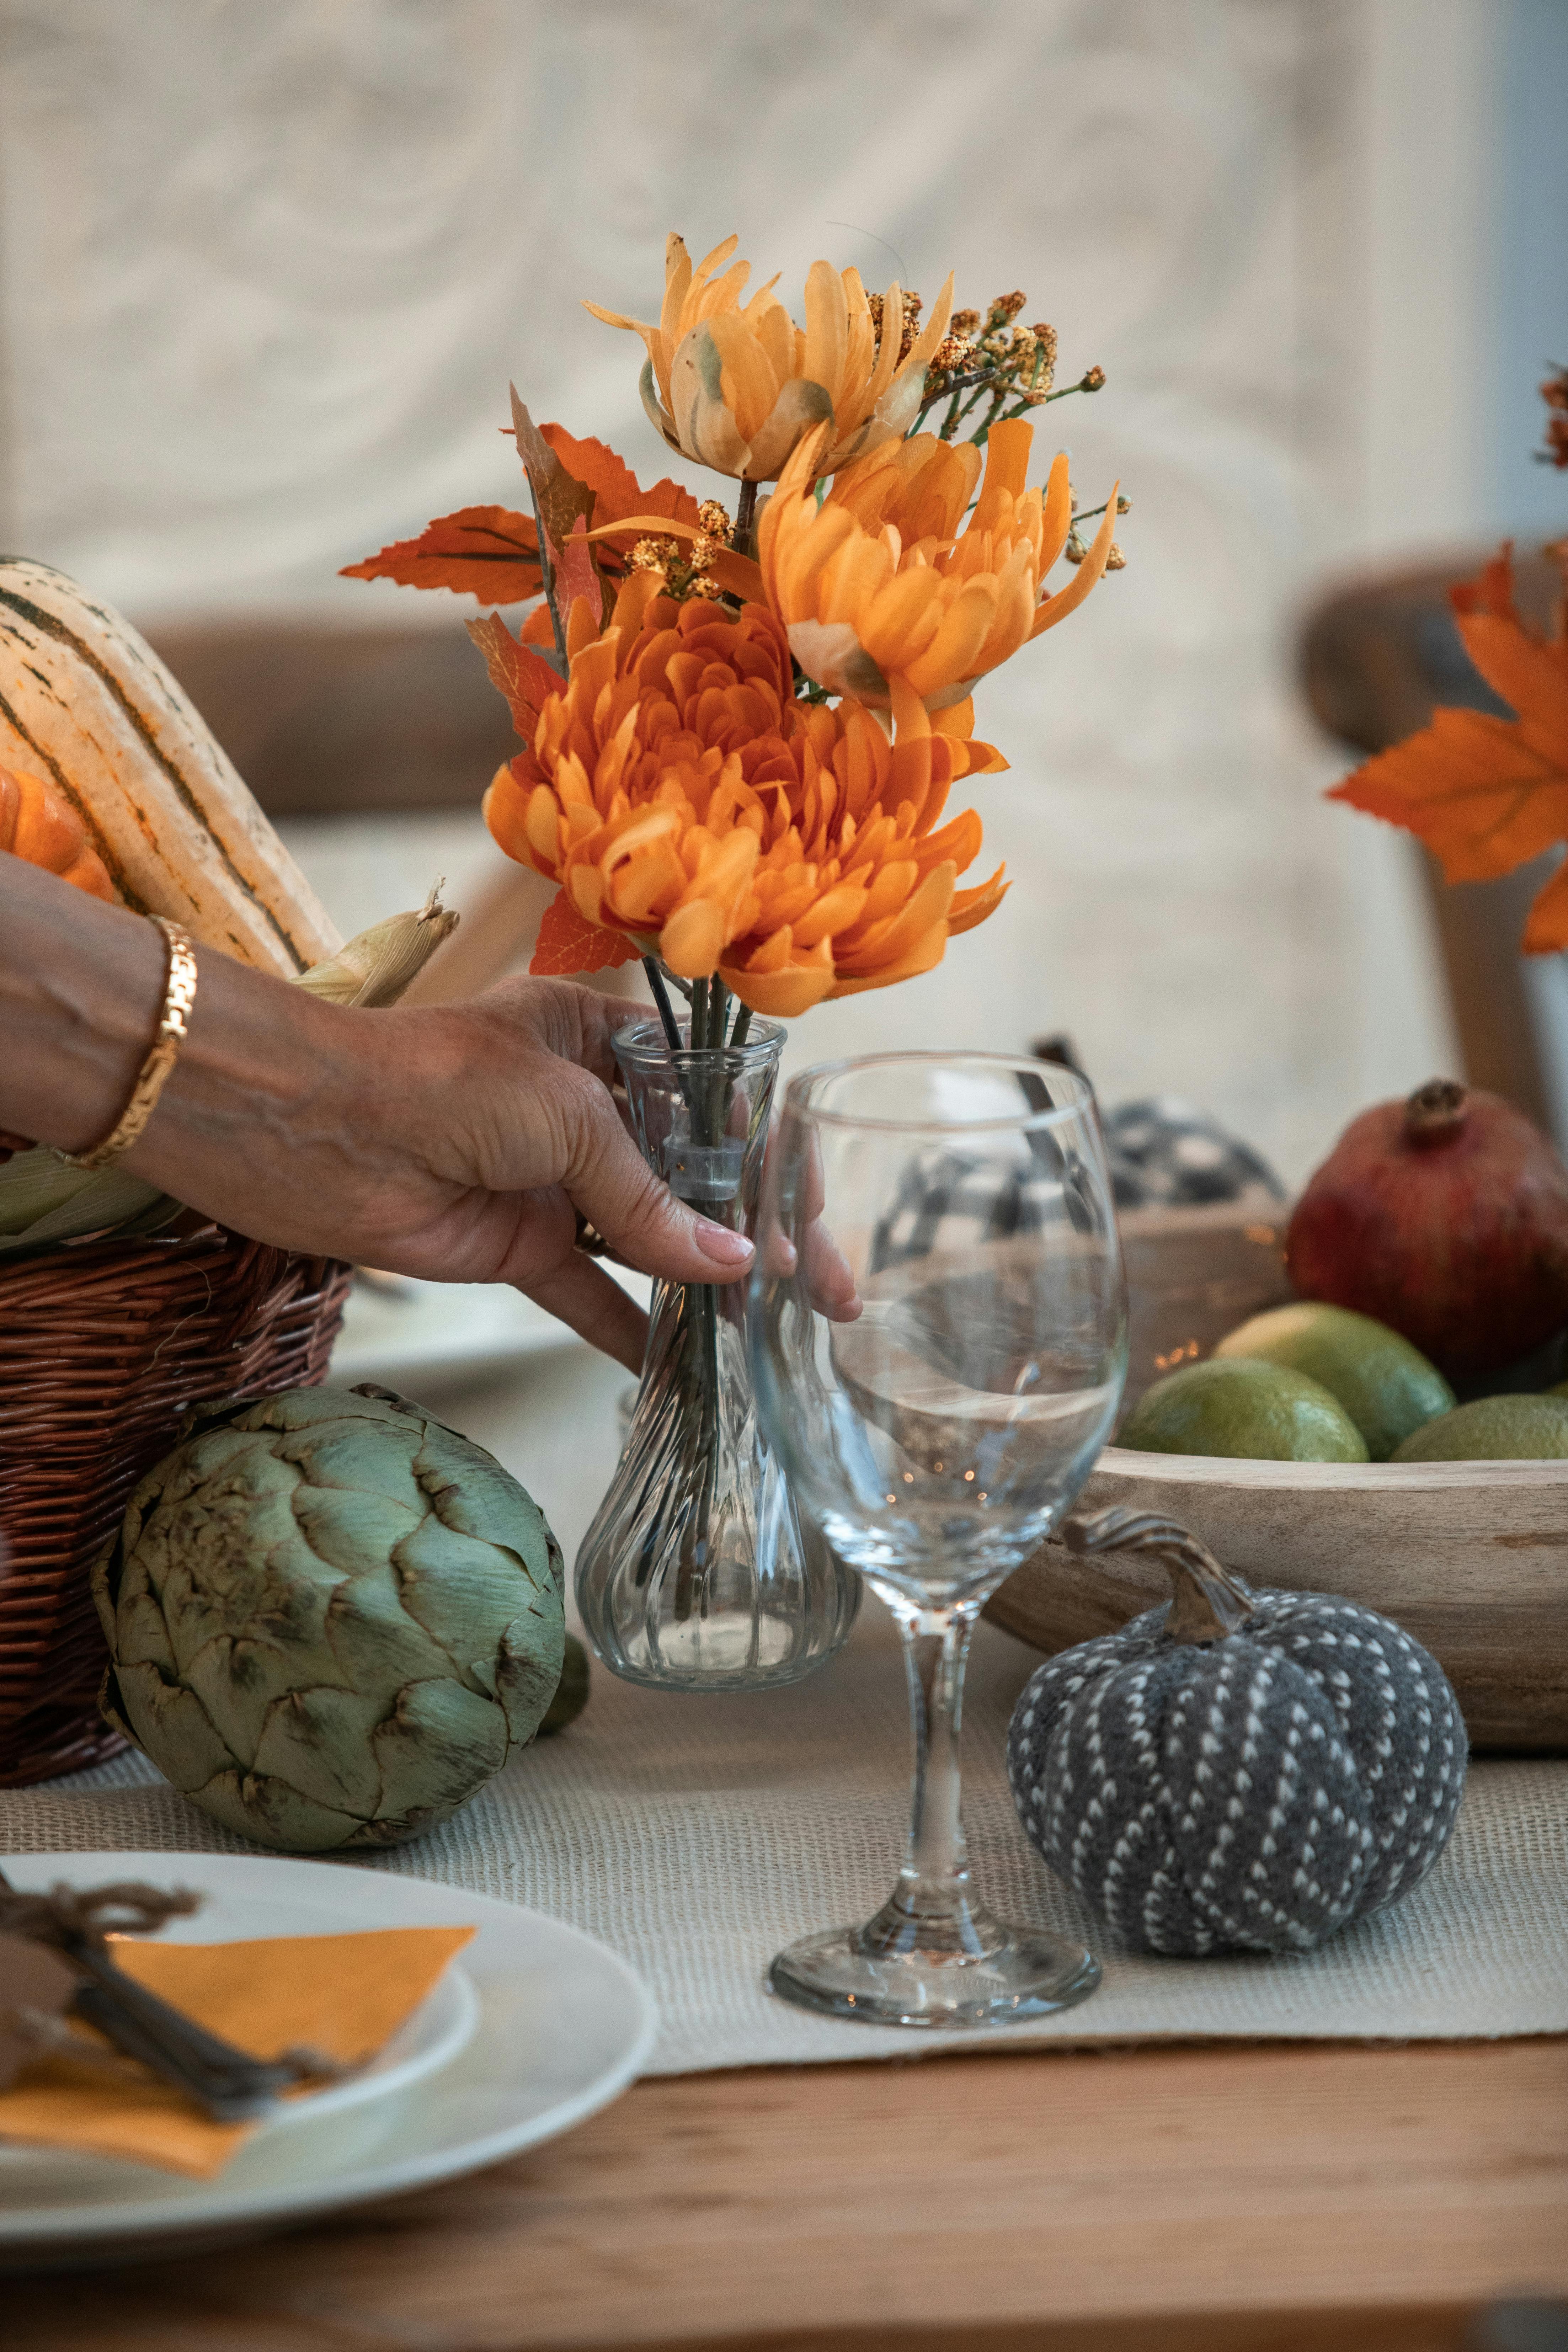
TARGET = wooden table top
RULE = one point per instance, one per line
(1201, 2199)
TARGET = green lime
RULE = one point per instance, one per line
(1385, 1385)
(1238, 1405)
(1494, 1429)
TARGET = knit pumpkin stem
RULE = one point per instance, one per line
(1207, 1602)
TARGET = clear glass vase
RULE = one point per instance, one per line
(696, 1573)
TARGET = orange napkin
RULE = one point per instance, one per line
(344, 1995)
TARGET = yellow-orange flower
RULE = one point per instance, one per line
(683, 799)
(735, 386)
(880, 585)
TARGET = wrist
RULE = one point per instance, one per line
(81, 990)
(259, 1070)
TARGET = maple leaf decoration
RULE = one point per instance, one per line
(492, 553)
(1484, 794)
(568, 943)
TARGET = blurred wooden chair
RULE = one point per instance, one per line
(326, 721)
(1377, 659)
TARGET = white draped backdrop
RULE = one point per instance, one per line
(266, 272)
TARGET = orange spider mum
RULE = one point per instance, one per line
(1485, 794)
(684, 800)
(735, 386)
(878, 583)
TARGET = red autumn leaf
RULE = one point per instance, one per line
(577, 574)
(484, 551)
(492, 553)
(525, 677)
(566, 943)
(1487, 794)
(560, 501)
(616, 489)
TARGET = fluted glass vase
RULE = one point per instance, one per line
(696, 1573)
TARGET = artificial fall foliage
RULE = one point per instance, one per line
(492, 553)
(736, 386)
(740, 736)
(1487, 794)
(568, 942)
(679, 790)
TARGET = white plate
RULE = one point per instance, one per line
(416, 1330)
(564, 2027)
(441, 2030)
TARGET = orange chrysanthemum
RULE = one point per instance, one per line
(684, 800)
(736, 386)
(878, 583)
(1485, 794)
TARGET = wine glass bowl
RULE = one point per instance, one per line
(938, 1333)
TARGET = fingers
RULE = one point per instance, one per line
(642, 1220)
(585, 1297)
(829, 1277)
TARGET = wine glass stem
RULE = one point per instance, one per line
(930, 1909)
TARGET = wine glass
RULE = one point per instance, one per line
(938, 1331)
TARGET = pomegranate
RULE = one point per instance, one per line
(1446, 1216)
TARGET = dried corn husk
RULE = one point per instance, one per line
(377, 965)
(43, 1202)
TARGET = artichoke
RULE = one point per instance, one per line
(329, 1617)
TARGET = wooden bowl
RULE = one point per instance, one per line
(1193, 1275)
(1471, 1558)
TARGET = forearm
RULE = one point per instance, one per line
(80, 988)
(264, 1069)
(459, 1141)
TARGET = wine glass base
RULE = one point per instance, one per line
(1025, 1973)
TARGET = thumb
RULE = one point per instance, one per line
(641, 1218)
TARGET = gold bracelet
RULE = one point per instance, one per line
(174, 1028)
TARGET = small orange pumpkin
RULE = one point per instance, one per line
(36, 825)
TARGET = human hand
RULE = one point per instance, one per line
(472, 1140)
(828, 1275)
(461, 1142)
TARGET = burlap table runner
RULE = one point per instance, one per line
(697, 1836)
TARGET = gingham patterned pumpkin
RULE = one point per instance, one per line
(1239, 1771)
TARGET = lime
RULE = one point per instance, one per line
(1494, 1429)
(1238, 1405)
(1385, 1385)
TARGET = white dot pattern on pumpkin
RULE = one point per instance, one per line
(1250, 1794)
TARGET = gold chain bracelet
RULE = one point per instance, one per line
(174, 1028)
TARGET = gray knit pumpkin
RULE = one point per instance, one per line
(1239, 1770)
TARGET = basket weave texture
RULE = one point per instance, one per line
(103, 1347)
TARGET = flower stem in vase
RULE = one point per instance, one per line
(709, 1095)
(696, 1573)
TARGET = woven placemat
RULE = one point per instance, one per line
(697, 1835)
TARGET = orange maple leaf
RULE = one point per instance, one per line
(616, 493)
(567, 943)
(1487, 794)
(525, 677)
(492, 553)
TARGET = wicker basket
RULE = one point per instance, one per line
(103, 1346)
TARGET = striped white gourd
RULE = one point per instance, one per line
(85, 702)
